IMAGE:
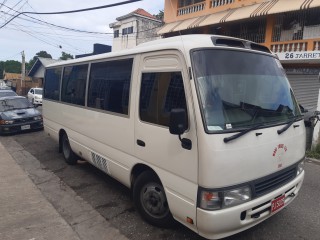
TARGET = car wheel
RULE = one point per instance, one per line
(69, 156)
(150, 200)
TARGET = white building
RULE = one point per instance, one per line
(134, 28)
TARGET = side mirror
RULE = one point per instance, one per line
(178, 125)
(178, 121)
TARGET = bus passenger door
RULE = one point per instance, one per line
(164, 85)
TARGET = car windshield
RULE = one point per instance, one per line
(16, 103)
(38, 91)
(7, 93)
(239, 90)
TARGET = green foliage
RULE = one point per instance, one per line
(160, 15)
(314, 152)
(10, 66)
(65, 56)
(43, 54)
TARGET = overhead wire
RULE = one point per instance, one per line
(71, 11)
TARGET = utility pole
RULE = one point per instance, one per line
(23, 70)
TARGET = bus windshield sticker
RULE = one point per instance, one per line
(214, 128)
(228, 126)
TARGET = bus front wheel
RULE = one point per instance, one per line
(150, 200)
(68, 154)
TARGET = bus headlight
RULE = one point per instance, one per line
(300, 167)
(213, 200)
(236, 196)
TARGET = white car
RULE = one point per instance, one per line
(35, 96)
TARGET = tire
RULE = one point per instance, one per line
(69, 156)
(150, 200)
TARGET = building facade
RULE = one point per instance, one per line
(290, 28)
(134, 28)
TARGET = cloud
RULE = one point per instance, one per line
(22, 35)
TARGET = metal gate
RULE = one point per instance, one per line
(306, 89)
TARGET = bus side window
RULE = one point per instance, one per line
(74, 84)
(52, 83)
(160, 92)
(109, 85)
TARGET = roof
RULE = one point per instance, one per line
(41, 62)
(14, 76)
(183, 43)
(139, 12)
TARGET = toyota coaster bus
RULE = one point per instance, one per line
(204, 129)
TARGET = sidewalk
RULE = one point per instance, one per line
(36, 204)
(25, 212)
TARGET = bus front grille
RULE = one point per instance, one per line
(274, 181)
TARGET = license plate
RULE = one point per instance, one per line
(25, 127)
(277, 203)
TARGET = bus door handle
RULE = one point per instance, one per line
(141, 143)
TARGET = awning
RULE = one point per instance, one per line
(243, 12)
(279, 6)
(288, 6)
(185, 24)
(214, 18)
(315, 3)
(168, 28)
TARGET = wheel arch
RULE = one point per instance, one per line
(137, 170)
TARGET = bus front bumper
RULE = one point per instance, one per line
(222, 223)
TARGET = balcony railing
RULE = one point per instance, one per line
(316, 46)
(191, 9)
(289, 47)
(218, 3)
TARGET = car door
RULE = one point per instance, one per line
(164, 85)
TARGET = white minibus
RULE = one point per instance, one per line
(204, 129)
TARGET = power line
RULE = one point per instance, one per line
(72, 11)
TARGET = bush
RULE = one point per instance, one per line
(314, 152)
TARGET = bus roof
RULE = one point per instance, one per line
(181, 43)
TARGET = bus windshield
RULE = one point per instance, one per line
(238, 90)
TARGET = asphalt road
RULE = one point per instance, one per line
(300, 220)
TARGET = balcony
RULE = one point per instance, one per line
(295, 46)
(191, 9)
(218, 3)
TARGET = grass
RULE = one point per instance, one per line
(314, 152)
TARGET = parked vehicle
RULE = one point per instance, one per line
(35, 96)
(7, 93)
(17, 114)
(204, 129)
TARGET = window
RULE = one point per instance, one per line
(160, 92)
(126, 31)
(130, 30)
(74, 84)
(109, 85)
(52, 83)
(116, 34)
(184, 3)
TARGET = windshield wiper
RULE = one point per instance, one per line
(286, 127)
(228, 139)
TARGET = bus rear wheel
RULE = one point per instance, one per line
(150, 200)
(69, 156)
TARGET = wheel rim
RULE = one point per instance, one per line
(66, 147)
(154, 200)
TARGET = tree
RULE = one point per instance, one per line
(43, 54)
(65, 56)
(160, 15)
(11, 66)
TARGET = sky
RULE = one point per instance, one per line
(32, 36)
